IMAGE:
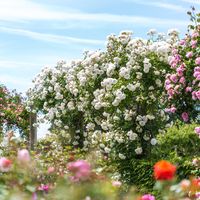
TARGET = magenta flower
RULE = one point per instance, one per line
(80, 168)
(148, 197)
(185, 116)
(44, 188)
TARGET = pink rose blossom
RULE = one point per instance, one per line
(195, 35)
(197, 60)
(182, 80)
(180, 71)
(197, 130)
(148, 197)
(189, 54)
(5, 164)
(51, 170)
(193, 43)
(185, 116)
(182, 42)
(23, 156)
(188, 89)
(80, 168)
(173, 78)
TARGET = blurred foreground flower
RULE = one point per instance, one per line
(81, 170)
(23, 156)
(164, 170)
(5, 164)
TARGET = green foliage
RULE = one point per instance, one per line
(180, 141)
(178, 145)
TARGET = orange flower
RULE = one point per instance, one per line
(164, 170)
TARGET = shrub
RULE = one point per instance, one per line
(13, 115)
(180, 145)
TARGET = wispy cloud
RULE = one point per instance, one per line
(160, 4)
(8, 64)
(192, 1)
(27, 10)
(50, 37)
(15, 82)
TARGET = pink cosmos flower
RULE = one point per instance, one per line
(5, 164)
(80, 168)
(148, 197)
(197, 60)
(197, 130)
(23, 156)
(185, 116)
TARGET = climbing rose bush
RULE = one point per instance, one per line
(13, 115)
(182, 84)
(112, 99)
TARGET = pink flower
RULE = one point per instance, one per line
(195, 162)
(173, 109)
(189, 54)
(5, 164)
(51, 170)
(198, 94)
(44, 188)
(182, 42)
(193, 43)
(23, 156)
(34, 196)
(148, 197)
(80, 168)
(182, 80)
(116, 183)
(180, 71)
(195, 35)
(197, 60)
(197, 130)
(185, 116)
(188, 89)
(173, 78)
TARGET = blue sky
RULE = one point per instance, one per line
(35, 33)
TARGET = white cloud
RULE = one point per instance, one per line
(25, 10)
(161, 4)
(50, 37)
(14, 81)
(5, 64)
(192, 1)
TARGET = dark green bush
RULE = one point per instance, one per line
(178, 145)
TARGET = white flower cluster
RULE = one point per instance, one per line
(112, 98)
